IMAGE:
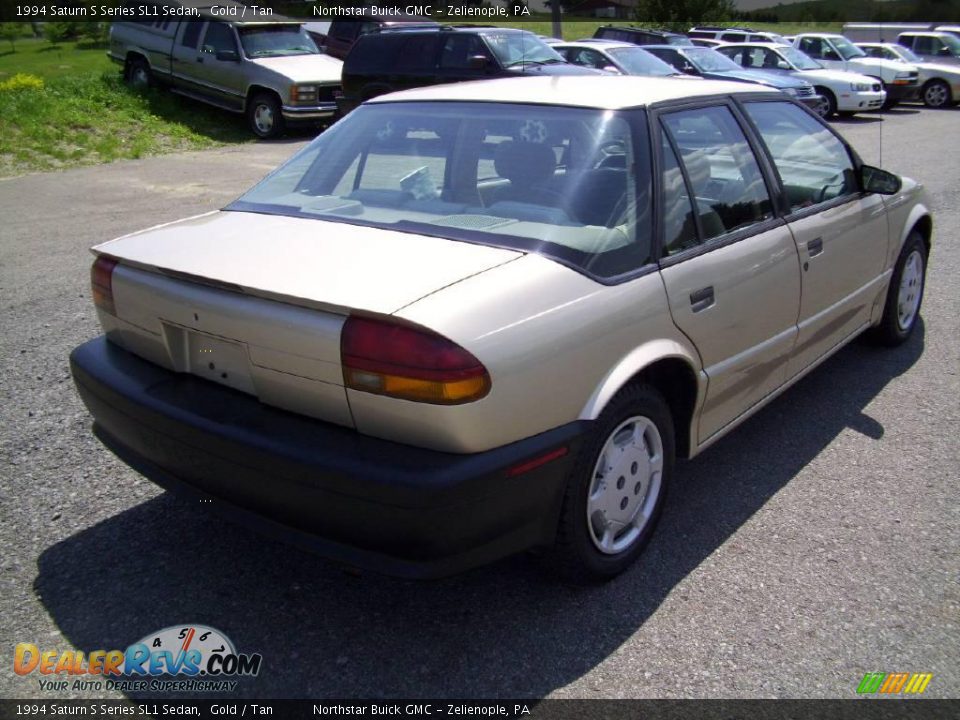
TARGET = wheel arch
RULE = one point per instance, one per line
(134, 54)
(256, 90)
(667, 366)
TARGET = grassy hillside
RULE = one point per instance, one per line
(866, 10)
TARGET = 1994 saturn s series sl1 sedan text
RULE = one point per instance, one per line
(474, 319)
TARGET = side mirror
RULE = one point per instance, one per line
(689, 69)
(611, 69)
(875, 180)
(477, 62)
(228, 55)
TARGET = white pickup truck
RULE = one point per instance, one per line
(270, 71)
(900, 81)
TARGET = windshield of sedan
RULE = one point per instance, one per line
(518, 48)
(276, 40)
(567, 183)
(709, 60)
(799, 59)
(846, 48)
(636, 61)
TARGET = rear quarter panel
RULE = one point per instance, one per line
(557, 346)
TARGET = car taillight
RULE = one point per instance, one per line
(391, 358)
(101, 281)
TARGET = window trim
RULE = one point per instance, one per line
(771, 182)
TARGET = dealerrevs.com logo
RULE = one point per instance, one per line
(187, 658)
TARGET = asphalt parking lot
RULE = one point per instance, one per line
(818, 542)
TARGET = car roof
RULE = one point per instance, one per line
(770, 45)
(606, 92)
(925, 33)
(634, 28)
(597, 43)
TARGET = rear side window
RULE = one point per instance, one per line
(723, 172)
(814, 166)
(374, 54)
(418, 53)
(191, 34)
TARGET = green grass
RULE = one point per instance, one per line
(40, 58)
(85, 114)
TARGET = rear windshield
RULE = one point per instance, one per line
(569, 183)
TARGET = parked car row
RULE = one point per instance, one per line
(278, 73)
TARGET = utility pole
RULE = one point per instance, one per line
(557, 30)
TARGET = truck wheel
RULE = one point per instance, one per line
(905, 294)
(265, 116)
(616, 490)
(138, 74)
(936, 94)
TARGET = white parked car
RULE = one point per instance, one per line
(939, 82)
(840, 91)
(901, 82)
(477, 318)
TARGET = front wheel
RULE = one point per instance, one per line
(265, 116)
(905, 294)
(936, 94)
(615, 494)
(138, 74)
(827, 106)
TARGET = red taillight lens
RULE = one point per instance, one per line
(390, 358)
(101, 280)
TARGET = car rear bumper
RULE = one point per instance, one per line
(363, 501)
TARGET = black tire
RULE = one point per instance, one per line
(265, 116)
(137, 74)
(577, 552)
(892, 330)
(831, 103)
(936, 94)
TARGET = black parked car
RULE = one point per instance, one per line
(640, 36)
(406, 58)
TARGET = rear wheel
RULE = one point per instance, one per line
(265, 116)
(138, 73)
(615, 493)
(936, 94)
(905, 294)
(827, 107)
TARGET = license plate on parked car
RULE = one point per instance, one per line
(223, 361)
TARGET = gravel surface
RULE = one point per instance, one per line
(818, 542)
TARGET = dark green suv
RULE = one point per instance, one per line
(407, 58)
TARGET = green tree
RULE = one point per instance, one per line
(10, 31)
(679, 15)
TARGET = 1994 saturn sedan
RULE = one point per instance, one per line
(474, 319)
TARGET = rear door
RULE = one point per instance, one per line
(729, 264)
(841, 233)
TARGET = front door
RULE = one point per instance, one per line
(224, 78)
(841, 233)
(729, 265)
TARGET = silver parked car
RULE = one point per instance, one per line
(474, 319)
(939, 82)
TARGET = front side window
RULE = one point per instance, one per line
(517, 48)
(567, 183)
(814, 166)
(219, 39)
(730, 193)
(458, 49)
(679, 227)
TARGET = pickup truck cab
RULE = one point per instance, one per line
(270, 71)
(901, 82)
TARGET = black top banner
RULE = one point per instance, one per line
(863, 709)
(265, 10)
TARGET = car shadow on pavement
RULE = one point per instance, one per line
(508, 630)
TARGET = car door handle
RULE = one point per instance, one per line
(701, 299)
(815, 247)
